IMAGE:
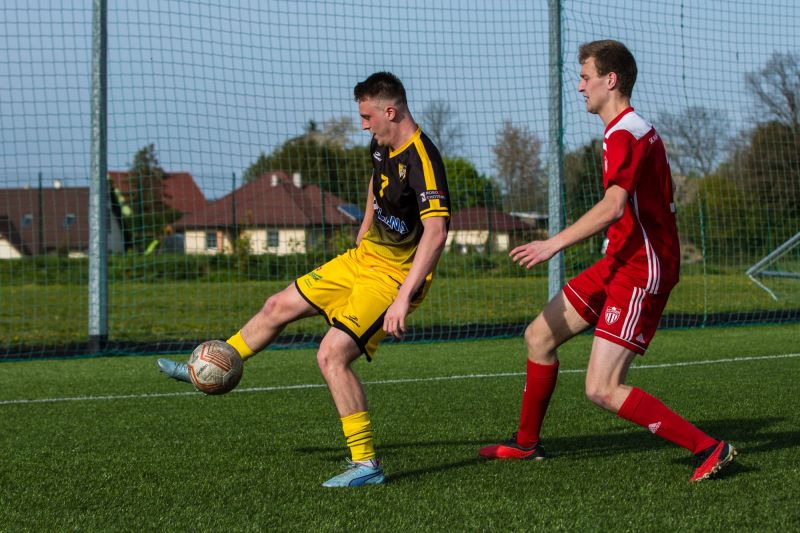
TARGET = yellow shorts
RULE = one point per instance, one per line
(353, 292)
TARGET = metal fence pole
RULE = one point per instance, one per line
(98, 185)
(555, 147)
(40, 225)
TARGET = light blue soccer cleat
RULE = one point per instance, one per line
(174, 369)
(357, 475)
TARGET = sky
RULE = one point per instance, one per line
(213, 85)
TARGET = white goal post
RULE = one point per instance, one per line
(762, 266)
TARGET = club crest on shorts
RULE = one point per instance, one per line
(612, 314)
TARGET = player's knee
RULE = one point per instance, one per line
(329, 359)
(598, 395)
(539, 343)
(272, 308)
(323, 360)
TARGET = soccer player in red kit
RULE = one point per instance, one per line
(623, 294)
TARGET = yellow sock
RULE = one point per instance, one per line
(358, 433)
(238, 342)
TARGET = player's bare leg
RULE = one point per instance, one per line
(605, 386)
(279, 310)
(557, 323)
(337, 351)
(606, 373)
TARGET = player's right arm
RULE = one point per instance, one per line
(604, 213)
(368, 214)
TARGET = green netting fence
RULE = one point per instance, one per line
(233, 162)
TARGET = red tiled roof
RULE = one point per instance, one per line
(56, 204)
(180, 190)
(262, 203)
(481, 218)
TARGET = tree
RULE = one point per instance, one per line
(753, 203)
(150, 217)
(468, 187)
(518, 163)
(301, 154)
(767, 163)
(768, 168)
(323, 158)
(438, 122)
(777, 88)
(696, 139)
(336, 132)
(583, 178)
(583, 183)
(722, 222)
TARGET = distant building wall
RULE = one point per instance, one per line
(275, 241)
(461, 241)
(207, 242)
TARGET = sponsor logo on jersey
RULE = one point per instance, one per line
(654, 427)
(612, 314)
(392, 222)
(427, 196)
(402, 170)
(377, 155)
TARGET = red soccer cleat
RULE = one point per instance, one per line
(512, 450)
(711, 460)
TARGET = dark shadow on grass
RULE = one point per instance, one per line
(335, 453)
(398, 477)
(741, 431)
(737, 431)
(751, 438)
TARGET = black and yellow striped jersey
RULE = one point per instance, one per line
(409, 185)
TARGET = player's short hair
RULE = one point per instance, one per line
(381, 86)
(611, 56)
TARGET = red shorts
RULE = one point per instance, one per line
(614, 300)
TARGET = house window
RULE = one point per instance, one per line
(211, 240)
(27, 221)
(69, 220)
(272, 239)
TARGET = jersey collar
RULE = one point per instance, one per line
(408, 143)
(619, 117)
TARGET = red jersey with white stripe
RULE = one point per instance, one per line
(645, 239)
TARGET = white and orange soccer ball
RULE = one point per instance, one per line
(215, 367)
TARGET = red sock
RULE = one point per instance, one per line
(539, 385)
(649, 412)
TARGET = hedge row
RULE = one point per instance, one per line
(54, 270)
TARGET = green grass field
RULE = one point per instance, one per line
(57, 314)
(107, 444)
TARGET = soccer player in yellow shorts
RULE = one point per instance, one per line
(368, 291)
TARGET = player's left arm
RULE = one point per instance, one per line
(427, 255)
